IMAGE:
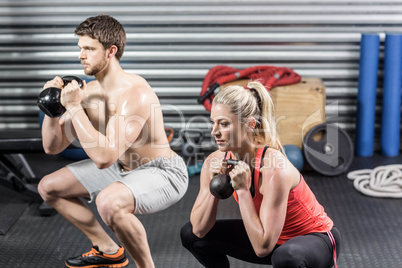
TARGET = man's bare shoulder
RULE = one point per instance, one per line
(139, 87)
(135, 80)
(92, 86)
(139, 79)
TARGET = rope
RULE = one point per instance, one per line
(269, 76)
(382, 181)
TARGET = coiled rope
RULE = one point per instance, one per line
(382, 181)
(269, 76)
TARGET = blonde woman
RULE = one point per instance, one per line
(281, 224)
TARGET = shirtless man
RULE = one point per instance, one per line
(132, 169)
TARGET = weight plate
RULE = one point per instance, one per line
(328, 149)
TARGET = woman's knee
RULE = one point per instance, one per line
(289, 256)
(187, 236)
(190, 241)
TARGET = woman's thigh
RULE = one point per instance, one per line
(228, 237)
(312, 250)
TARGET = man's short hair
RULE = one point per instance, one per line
(107, 30)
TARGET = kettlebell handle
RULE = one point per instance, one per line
(232, 162)
(67, 79)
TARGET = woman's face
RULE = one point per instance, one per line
(227, 128)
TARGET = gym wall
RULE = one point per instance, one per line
(173, 44)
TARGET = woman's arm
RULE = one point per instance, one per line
(203, 214)
(264, 230)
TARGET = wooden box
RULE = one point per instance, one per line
(298, 108)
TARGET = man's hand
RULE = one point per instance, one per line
(56, 82)
(72, 95)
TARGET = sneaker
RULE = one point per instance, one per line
(96, 258)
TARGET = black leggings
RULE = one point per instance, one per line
(229, 237)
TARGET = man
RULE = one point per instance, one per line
(131, 170)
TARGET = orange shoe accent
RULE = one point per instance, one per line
(96, 258)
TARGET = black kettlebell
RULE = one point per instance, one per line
(49, 99)
(220, 186)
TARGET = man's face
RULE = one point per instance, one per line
(93, 56)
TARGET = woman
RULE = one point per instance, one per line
(281, 221)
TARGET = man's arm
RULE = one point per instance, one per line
(57, 133)
(122, 129)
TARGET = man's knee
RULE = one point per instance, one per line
(47, 188)
(60, 184)
(109, 208)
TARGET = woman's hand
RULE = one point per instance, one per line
(217, 166)
(241, 176)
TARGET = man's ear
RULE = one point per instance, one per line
(112, 51)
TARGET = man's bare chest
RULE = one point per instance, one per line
(100, 110)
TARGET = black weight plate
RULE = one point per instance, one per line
(328, 149)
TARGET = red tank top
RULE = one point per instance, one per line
(303, 215)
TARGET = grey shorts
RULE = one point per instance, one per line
(155, 185)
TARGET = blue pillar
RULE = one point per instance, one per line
(391, 106)
(366, 96)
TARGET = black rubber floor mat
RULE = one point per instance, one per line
(12, 205)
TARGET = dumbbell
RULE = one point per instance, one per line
(49, 99)
(220, 186)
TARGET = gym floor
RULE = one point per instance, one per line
(370, 227)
